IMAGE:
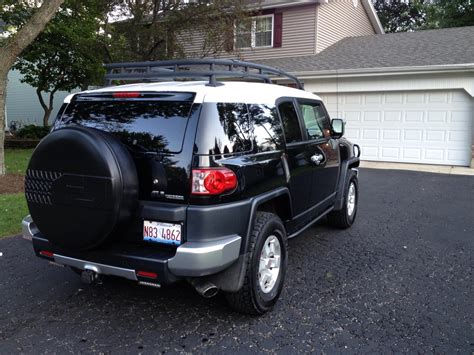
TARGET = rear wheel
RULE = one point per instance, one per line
(345, 217)
(266, 267)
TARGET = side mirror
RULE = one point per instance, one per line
(337, 127)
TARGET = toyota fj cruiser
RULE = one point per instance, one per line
(198, 180)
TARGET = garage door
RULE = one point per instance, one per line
(432, 127)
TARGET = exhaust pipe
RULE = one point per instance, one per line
(89, 277)
(205, 288)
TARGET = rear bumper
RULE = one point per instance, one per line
(191, 259)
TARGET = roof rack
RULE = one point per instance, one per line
(210, 69)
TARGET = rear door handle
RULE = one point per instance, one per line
(317, 158)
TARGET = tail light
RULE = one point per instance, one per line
(147, 274)
(47, 253)
(126, 94)
(213, 181)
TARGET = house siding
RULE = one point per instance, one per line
(192, 44)
(339, 19)
(22, 104)
(299, 26)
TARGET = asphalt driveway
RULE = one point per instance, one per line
(400, 280)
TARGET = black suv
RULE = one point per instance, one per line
(205, 181)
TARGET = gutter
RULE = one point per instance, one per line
(428, 69)
(283, 4)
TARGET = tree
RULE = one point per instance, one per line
(400, 15)
(453, 13)
(15, 45)
(63, 58)
(405, 15)
(156, 29)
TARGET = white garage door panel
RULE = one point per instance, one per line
(433, 127)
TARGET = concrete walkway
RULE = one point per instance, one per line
(439, 169)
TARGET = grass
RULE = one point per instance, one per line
(16, 160)
(12, 210)
(13, 206)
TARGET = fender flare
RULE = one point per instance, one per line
(232, 278)
(345, 174)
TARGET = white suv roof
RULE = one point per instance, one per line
(234, 91)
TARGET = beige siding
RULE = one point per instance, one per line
(339, 19)
(299, 27)
(192, 44)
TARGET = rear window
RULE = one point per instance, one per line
(151, 125)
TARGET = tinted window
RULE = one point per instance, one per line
(147, 125)
(224, 128)
(266, 128)
(290, 121)
(315, 119)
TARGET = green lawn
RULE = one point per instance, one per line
(12, 210)
(13, 206)
(17, 160)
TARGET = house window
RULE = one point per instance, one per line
(258, 32)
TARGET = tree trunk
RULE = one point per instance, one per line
(3, 87)
(47, 108)
(13, 48)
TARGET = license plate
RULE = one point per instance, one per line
(159, 232)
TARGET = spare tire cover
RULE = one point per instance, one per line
(81, 184)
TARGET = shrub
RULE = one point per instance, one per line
(32, 132)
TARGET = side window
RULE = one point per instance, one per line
(235, 122)
(290, 121)
(266, 127)
(223, 128)
(315, 119)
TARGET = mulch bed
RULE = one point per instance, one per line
(20, 143)
(10, 184)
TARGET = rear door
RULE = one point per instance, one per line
(157, 128)
(323, 152)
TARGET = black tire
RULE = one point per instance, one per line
(343, 219)
(251, 299)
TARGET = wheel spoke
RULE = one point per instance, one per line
(274, 262)
(266, 279)
(272, 247)
(267, 250)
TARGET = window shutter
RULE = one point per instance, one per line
(278, 30)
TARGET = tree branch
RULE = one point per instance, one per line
(17, 44)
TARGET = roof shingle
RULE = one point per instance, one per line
(407, 49)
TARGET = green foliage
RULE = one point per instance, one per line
(452, 13)
(65, 56)
(16, 160)
(32, 132)
(13, 209)
(400, 16)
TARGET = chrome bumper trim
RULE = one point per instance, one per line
(205, 258)
(97, 268)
